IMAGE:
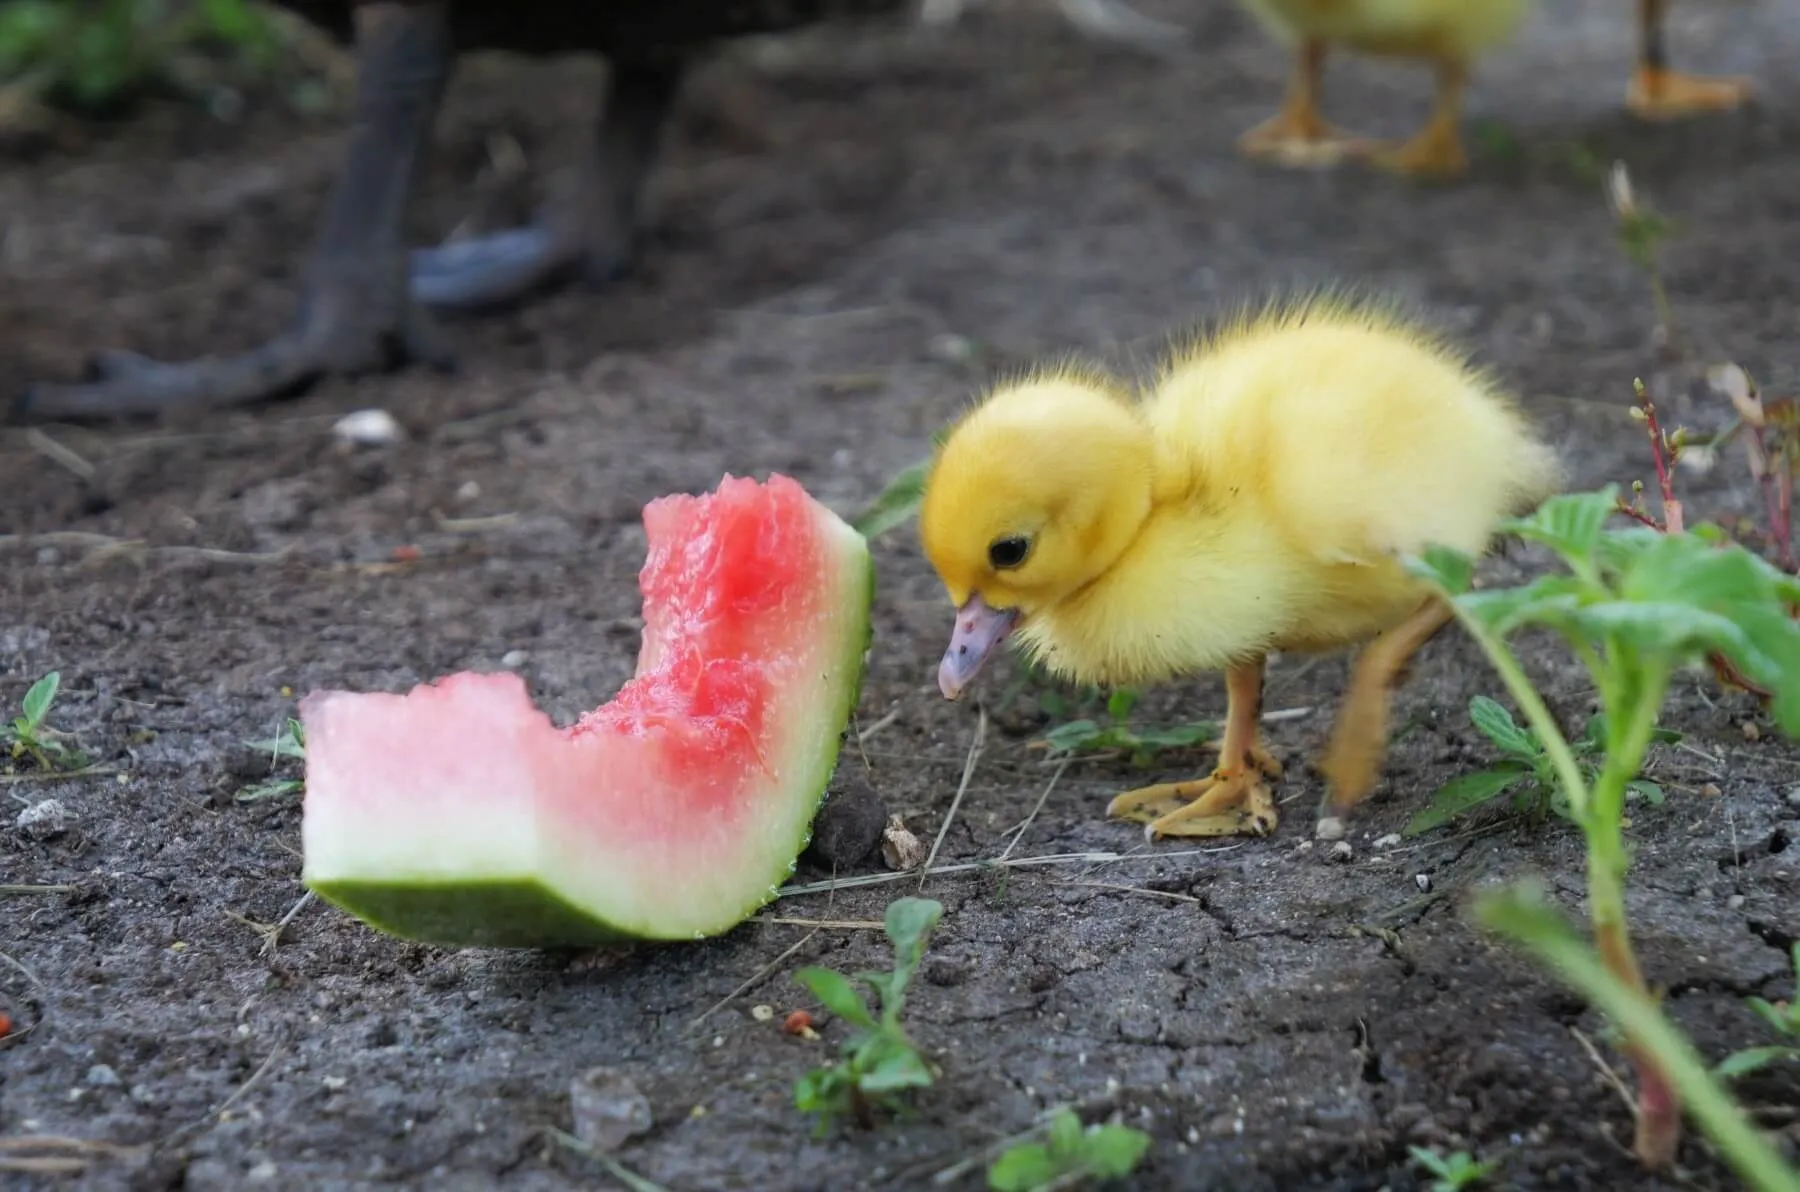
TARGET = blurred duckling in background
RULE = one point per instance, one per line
(1449, 34)
(1253, 500)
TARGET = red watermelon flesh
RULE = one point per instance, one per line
(459, 814)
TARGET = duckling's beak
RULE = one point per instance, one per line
(978, 630)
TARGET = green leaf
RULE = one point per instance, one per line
(1742, 1063)
(1065, 1133)
(909, 920)
(1077, 734)
(836, 994)
(1115, 1151)
(1498, 726)
(1179, 736)
(1430, 1160)
(896, 1065)
(1781, 1024)
(1442, 567)
(1463, 793)
(1570, 523)
(1023, 1168)
(896, 504)
(39, 698)
(1649, 791)
(1120, 703)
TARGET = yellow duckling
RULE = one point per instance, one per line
(1449, 34)
(1254, 500)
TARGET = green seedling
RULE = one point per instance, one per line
(1784, 1019)
(879, 1064)
(288, 744)
(1523, 913)
(1454, 1172)
(29, 736)
(896, 505)
(1068, 1157)
(1641, 234)
(1117, 735)
(1635, 605)
(1525, 769)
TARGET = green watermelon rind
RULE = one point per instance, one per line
(529, 912)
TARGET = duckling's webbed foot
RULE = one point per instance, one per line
(591, 233)
(1234, 800)
(1658, 93)
(356, 314)
(1436, 150)
(1297, 135)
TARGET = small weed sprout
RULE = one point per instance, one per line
(1527, 770)
(1068, 1157)
(1116, 735)
(1784, 1019)
(1641, 234)
(1454, 1172)
(1634, 604)
(30, 736)
(288, 744)
(879, 1062)
(896, 504)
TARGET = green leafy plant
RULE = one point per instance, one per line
(1783, 1018)
(878, 1062)
(1634, 605)
(1451, 1173)
(1069, 1156)
(896, 504)
(90, 54)
(1117, 735)
(1523, 913)
(288, 744)
(1641, 233)
(1526, 770)
(29, 736)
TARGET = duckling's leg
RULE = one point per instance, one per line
(1658, 93)
(1234, 800)
(1359, 740)
(1435, 151)
(1297, 135)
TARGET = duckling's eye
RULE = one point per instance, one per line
(1009, 552)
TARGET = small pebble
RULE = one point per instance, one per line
(470, 491)
(762, 1013)
(1331, 828)
(102, 1076)
(1793, 797)
(607, 1108)
(1423, 881)
(1735, 902)
(1305, 846)
(900, 849)
(849, 825)
(1751, 731)
(1391, 840)
(263, 1172)
(367, 428)
(514, 659)
(952, 348)
(1341, 851)
(1711, 790)
(44, 820)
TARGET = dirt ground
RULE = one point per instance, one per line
(849, 238)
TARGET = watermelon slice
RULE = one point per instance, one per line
(458, 814)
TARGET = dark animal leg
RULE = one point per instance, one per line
(591, 233)
(356, 314)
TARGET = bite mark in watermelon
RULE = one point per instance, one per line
(458, 814)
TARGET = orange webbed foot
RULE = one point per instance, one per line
(1670, 95)
(1232, 801)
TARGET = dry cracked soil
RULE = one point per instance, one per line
(850, 235)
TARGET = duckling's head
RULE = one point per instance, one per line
(1034, 495)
